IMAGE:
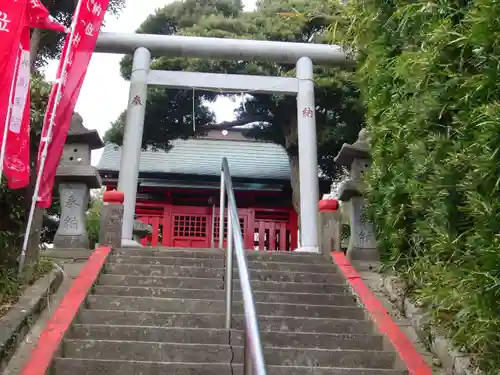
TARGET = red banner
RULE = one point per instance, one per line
(17, 151)
(17, 154)
(39, 17)
(77, 51)
(12, 22)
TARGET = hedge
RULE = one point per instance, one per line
(429, 72)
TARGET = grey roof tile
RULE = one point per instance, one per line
(204, 156)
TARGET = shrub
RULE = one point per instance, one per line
(12, 284)
(93, 222)
(429, 72)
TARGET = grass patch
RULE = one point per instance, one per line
(12, 286)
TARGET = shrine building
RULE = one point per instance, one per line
(178, 191)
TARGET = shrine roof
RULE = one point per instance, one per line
(203, 157)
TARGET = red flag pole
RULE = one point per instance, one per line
(7, 118)
(49, 135)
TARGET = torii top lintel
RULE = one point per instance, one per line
(222, 48)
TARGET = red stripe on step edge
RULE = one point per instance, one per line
(404, 347)
(52, 335)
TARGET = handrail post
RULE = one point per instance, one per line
(247, 356)
(212, 228)
(222, 209)
(229, 271)
(253, 361)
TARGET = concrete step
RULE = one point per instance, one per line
(197, 320)
(185, 335)
(167, 261)
(177, 253)
(205, 283)
(196, 353)
(79, 366)
(162, 282)
(270, 256)
(147, 351)
(105, 302)
(183, 271)
(286, 256)
(221, 337)
(219, 263)
(302, 298)
(162, 271)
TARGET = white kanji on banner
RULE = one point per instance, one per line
(76, 40)
(94, 7)
(89, 28)
(4, 22)
(35, 4)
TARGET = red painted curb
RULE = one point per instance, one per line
(404, 347)
(52, 335)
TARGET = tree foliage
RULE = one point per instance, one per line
(47, 45)
(429, 77)
(169, 113)
(15, 203)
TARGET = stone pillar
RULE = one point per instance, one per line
(132, 141)
(72, 232)
(110, 233)
(329, 226)
(362, 243)
(75, 177)
(308, 157)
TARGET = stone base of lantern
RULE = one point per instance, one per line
(71, 233)
(364, 259)
(73, 242)
(363, 254)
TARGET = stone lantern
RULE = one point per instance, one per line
(75, 177)
(356, 157)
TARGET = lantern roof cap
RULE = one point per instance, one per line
(80, 134)
(358, 150)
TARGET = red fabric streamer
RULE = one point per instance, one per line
(78, 49)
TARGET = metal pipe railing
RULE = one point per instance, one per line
(253, 363)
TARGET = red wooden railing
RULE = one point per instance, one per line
(191, 226)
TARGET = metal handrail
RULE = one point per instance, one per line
(253, 360)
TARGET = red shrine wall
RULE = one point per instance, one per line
(187, 221)
(273, 229)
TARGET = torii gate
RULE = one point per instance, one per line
(143, 46)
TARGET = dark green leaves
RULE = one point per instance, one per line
(429, 74)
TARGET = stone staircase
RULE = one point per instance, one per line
(162, 312)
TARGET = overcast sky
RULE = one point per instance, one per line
(104, 94)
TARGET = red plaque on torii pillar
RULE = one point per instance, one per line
(307, 112)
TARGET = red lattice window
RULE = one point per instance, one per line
(190, 226)
(217, 226)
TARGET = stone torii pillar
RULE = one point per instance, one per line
(308, 157)
(132, 142)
